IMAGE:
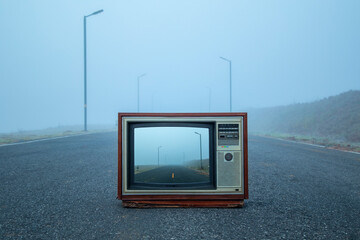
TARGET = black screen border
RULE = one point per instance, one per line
(132, 185)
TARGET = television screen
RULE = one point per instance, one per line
(171, 155)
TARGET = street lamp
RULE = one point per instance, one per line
(159, 155)
(85, 97)
(138, 95)
(229, 61)
(201, 165)
(209, 98)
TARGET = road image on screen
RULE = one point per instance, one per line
(171, 155)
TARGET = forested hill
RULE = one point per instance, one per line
(336, 117)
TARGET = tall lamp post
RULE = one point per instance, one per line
(159, 155)
(209, 98)
(138, 91)
(85, 97)
(229, 61)
(201, 165)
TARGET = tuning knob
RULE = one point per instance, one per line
(229, 157)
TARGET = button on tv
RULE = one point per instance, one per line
(228, 157)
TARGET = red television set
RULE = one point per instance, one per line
(182, 159)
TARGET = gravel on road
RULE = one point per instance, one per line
(66, 189)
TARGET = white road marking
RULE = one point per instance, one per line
(310, 144)
(43, 139)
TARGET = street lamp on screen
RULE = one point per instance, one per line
(159, 155)
(201, 165)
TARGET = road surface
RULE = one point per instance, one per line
(66, 189)
(171, 174)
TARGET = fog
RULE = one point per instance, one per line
(282, 52)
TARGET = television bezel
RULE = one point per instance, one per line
(203, 199)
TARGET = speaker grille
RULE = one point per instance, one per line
(229, 172)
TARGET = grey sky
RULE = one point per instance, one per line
(282, 52)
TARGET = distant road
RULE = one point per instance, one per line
(171, 174)
(66, 189)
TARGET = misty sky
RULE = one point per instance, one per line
(177, 145)
(282, 52)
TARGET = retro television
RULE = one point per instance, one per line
(182, 159)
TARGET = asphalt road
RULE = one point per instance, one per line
(171, 174)
(66, 189)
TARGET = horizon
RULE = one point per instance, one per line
(97, 126)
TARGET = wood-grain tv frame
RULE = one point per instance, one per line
(184, 200)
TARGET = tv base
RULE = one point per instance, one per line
(183, 204)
